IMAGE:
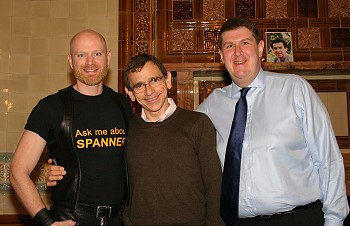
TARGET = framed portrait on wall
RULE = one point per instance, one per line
(279, 47)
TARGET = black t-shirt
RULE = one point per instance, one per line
(99, 138)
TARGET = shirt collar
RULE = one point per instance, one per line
(258, 82)
(171, 109)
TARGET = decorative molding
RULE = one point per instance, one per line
(182, 10)
(309, 38)
(308, 8)
(214, 9)
(276, 9)
(340, 37)
(183, 39)
(142, 27)
(245, 8)
(338, 8)
(211, 38)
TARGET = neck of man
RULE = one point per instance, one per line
(88, 90)
(156, 116)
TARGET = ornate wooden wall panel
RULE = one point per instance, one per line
(276, 9)
(308, 8)
(143, 26)
(179, 31)
(338, 8)
(213, 10)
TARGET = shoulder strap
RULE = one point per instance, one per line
(67, 101)
(63, 153)
(66, 124)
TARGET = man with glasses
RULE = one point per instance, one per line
(174, 170)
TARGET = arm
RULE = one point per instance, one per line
(211, 170)
(26, 156)
(327, 158)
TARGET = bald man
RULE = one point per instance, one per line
(84, 127)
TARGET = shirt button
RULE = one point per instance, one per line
(249, 188)
(245, 145)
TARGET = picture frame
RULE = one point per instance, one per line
(279, 47)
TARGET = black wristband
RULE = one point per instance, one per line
(43, 217)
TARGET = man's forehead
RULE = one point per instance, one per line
(148, 71)
(278, 44)
(86, 50)
(88, 42)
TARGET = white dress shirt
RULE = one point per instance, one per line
(290, 155)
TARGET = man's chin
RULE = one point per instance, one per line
(94, 83)
(91, 81)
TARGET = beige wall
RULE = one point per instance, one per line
(34, 37)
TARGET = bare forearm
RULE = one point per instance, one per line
(27, 193)
(25, 158)
(31, 200)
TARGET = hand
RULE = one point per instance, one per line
(64, 223)
(53, 173)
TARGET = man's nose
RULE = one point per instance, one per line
(149, 89)
(238, 51)
(90, 59)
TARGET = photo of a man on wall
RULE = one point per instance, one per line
(279, 47)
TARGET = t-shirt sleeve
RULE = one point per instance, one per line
(46, 117)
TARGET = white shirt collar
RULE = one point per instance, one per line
(171, 109)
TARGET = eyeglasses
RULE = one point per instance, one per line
(140, 87)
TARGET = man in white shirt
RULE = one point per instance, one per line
(292, 171)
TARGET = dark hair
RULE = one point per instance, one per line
(136, 63)
(278, 40)
(235, 23)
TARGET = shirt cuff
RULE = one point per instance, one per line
(330, 222)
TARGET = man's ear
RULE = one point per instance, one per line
(130, 94)
(261, 45)
(168, 80)
(221, 57)
(69, 57)
(109, 55)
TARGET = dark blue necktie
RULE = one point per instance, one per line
(232, 166)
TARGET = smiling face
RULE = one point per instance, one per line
(89, 58)
(241, 54)
(153, 99)
(279, 50)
